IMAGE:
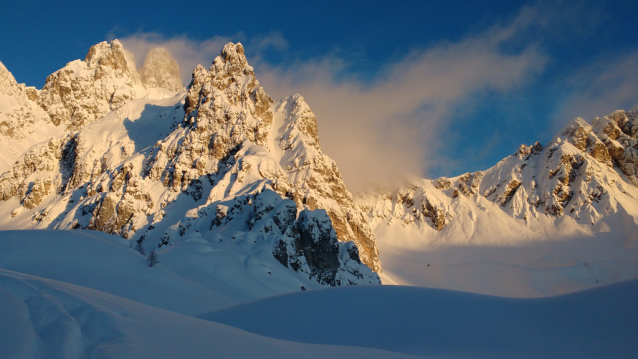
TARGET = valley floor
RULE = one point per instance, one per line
(506, 262)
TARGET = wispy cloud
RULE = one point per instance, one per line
(391, 125)
(274, 39)
(187, 52)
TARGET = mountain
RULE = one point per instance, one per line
(219, 166)
(218, 163)
(570, 207)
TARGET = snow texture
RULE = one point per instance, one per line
(598, 323)
(81, 294)
(43, 318)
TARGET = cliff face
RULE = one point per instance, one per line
(212, 161)
(313, 179)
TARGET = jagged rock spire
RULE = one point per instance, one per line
(83, 91)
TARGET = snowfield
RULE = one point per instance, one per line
(43, 318)
(598, 323)
(505, 263)
(80, 294)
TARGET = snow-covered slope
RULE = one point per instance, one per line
(86, 294)
(598, 323)
(546, 220)
(42, 318)
(22, 122)
(217, 162)
(192, 277)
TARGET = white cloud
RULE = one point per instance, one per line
(274, 39)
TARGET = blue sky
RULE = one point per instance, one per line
(427, 88)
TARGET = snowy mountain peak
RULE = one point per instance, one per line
(586, 172)
(161, 70)
(302, 119)
(313, 179)
(8, 84)
(10, 87)
(111, 55)
(84, 91)
(22, 122)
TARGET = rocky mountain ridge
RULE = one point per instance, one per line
(161, 168)
(585, 173)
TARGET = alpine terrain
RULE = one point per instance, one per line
(546, 220)
(111, 149)
(143, 218)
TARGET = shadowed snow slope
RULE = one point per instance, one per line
(106, 263)
(192, 277)
(597, 323)
(43, 318)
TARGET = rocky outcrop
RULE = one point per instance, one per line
(8, 84)
(224, 107)
(83, 91)
(313, 179)
(161, 70)
(304, 242)
(617, 134)
(22, 122)
(418, 203)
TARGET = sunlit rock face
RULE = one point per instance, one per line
(160, 70)
(220, 160)
(619, 134)
(84, 91)
(22, 122)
